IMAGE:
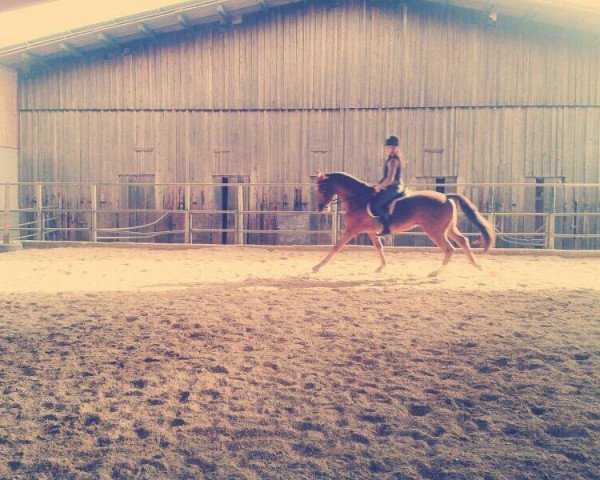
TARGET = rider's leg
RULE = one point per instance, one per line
(384, 218)
(379, 208)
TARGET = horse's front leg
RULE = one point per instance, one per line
(379, 247)
(341, 243)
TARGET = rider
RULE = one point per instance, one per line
(391, 185)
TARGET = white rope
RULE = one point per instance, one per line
(137, 227)
(516, 240)
(148, 235)
(23, 237)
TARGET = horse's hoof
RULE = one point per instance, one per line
(316, 269)
(380, 269)
(434, 274)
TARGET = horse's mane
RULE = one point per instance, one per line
(345, 180)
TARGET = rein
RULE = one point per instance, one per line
(338, 200)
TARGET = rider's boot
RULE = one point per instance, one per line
(385, 221)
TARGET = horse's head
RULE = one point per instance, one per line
(325, 191)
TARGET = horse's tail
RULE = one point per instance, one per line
(486, 228)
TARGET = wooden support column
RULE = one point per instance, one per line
(94, 213)
(39, 211)
(188, 234)
(239, 221)
(551, 221)
(9, 150)
(6, 236)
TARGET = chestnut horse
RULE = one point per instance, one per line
(435, 212)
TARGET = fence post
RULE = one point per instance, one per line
(334, 222)
(239, 220)
(188, 215)
(6, 236)
(492, 214)
(551, 227)
(94, 222)
(40, 211)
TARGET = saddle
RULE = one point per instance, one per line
(390, 205)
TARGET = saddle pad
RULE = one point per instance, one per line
(392, 203)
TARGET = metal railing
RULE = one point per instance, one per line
(39, 217)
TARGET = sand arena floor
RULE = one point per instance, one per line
(240, 363)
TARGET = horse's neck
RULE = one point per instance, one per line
(351, 189)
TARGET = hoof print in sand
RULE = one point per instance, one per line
(184, 397)
(91, 420)
(219, 369)
(383, 430)
(538, 410)
(372, 418)
(567, 431)
(203, 465)
(581, 356)
(142, 433)
(358, 438)
(419, 410)
(178, 422)
(307, 450)
(103, 442)
(309, 426)
(154, 464)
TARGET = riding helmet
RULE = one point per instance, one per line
(392, 141)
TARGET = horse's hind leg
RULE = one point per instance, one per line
(441, 240)
(379, 247)
(463, 242)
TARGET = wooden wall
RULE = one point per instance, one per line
(9, 116)
(475, 145)
(9, 141)
(317, 86)
(357, 55)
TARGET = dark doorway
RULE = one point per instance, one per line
(139, 200)
(539, 204)
(226, 199)
(439, 184)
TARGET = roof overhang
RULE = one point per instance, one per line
(575, 14)
(6, 5)
(114, 34)
(119, 32)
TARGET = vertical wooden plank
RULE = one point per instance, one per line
(6, 220)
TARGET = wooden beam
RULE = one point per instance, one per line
(224, 14)
(184, 22)
(72, 50)
(32, 57)
(109, 41)
(264, 5)
(491, 15)
(6, 235)
(146, 30)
